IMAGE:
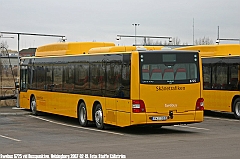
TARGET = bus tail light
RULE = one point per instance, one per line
(200, 104)
(138, 106)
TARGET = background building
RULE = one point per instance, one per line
(27, 52)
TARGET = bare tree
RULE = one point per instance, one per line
(4, 47)
(185, 43)
(1, 68)
(204, 41)
(176, 41)
(151, 42)
(4, 44)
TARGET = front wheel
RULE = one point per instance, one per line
(33, 105)
(236, 108)
(99, 117)
(82, 114)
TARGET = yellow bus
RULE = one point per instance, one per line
(221, 74)
(115, 85)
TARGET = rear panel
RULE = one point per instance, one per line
(169, 85)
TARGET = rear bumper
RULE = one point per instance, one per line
(177, 118)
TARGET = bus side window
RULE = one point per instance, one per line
(233, 83)
(23, 77)
(219, 80)
(125, 79)
(49, 77)
(207, 76)
(68, 78)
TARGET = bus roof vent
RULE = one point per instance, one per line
(166, 48)
(141, 48)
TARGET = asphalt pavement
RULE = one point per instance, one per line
(13, 110)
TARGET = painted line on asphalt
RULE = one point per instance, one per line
(207, 117)
(9, 138)
(79, 127)
(190, 127)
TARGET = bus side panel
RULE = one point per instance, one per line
(123, 119)
(123, 113)
(135, 76)
(118, 112)
(111, 111)
(136, 118)
(24, 100)
(220, 100)
(57, 103)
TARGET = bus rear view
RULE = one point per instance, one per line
(170, 88)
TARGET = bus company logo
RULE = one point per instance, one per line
(39, 97)
(170, 88)
(170, 105)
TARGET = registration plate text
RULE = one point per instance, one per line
(156, 118)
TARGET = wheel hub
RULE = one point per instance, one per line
(237, 109)
(98, 117)
(83, 114)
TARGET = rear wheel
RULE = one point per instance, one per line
(99, 117)
(236, 108)
(33, 105)
(82, 114)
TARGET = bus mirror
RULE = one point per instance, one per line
(16, 84)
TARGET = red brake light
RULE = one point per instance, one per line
(200, 104)
(138, 106)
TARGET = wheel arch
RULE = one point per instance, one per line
(233, 100)
(78, 105)
(32, 95)
(93, 109)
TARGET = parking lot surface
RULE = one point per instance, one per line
(49, 135)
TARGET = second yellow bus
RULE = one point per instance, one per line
(221, 74)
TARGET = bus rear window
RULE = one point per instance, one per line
(170, 68)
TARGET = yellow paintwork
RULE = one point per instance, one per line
(66, 104)
(119, 111)
(215, 50)
(123, 49)
(182, 97)
(219, 100)
(135, 76)
(70, 48)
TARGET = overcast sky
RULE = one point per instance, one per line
(103, 20)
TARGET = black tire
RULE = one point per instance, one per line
(33, 105)
(82, 114)
(236, 108)
(98, 114)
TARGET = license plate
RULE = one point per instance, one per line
(156, 118)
